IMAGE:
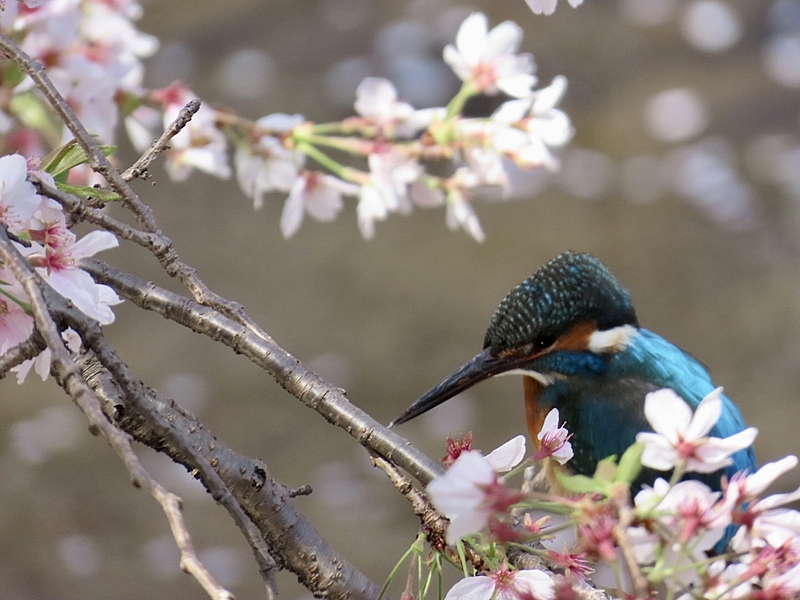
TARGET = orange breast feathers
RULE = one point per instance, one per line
(545, 479)
(534, 415)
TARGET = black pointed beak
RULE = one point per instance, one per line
(483, 366)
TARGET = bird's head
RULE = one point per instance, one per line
(560, 321)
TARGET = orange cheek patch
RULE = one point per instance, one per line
(576, 338)
(534, 416)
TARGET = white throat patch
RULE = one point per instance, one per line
(545, 380)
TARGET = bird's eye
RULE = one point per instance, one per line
(544, 340)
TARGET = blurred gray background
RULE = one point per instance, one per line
(684, 177)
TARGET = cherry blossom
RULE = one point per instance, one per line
(93, 53)
(486, 60)
(41, 364)
(377, 102)
(59, 266)
(15, 325)
(391, 172)
(548, 7)
(694, 513)
(680, 435)
(266, 165)
(526, 129)
(766, 522)
(749, 487)
(318, 194)
(554, 440)
(459, 213)
(18, 198)
(460, 494)
(507, 456)
(726, 581)
(504, 584)
(785, 586)
(200, 144)
(471, 492)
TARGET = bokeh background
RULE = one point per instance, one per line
(684, 177)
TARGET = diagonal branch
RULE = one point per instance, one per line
(292, 540)
(313, 391)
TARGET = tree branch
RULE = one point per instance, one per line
(316, 393)
(292, 539)
(69, 377)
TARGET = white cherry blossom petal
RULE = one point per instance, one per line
(507, 456)
(705, 416)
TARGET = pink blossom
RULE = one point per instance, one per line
(785, 586)
(751, 486)
(554, 440)
(318, 194)
(199, 145)
(455, 446)
(469, 494)
(504, 584)
(15, 325)
(526, 129)
(695, 513)
(41, 364)
(18, 198)
(267, 165)
(596, 536)
(727, 581)
(58, 264)
(459, 213)
(386, 191)
(763, 522)
(680, 435)
(487, 60)
(377, 102)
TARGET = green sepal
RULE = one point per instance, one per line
(606, 470)
(630, 465)
(102, 194)
(25, 306)
(61, 160)
(128, 103)
(581, 484)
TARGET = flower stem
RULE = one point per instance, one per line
(456, 105)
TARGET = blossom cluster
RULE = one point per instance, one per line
(92, 51)
(390, 142)
(679, 535)
(42, 236)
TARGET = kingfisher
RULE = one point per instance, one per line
(571, 331)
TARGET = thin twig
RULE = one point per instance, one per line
(156, 243)
(69, 377)
(139, 168)
(626, 519)
(25, 350)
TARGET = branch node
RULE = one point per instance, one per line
(303, 490)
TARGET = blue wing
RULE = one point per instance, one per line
(666, 366)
